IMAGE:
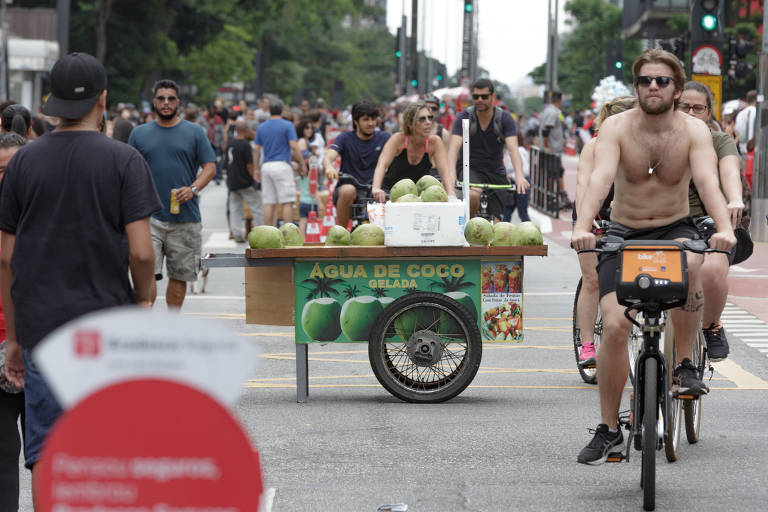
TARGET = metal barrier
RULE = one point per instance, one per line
(545, 186)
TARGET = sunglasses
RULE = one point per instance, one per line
(480, 96)
(697, 109)
(434, 109)
(162, 99)
(661, 81)
(424, 119)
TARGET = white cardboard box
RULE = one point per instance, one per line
(424, 224)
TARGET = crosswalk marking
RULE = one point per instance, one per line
(745, 326)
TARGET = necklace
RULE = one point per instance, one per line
(654, 167)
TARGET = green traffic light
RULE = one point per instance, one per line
(398, 54)
(709, 22)
(468, 7)
(414, 83)
(439, 78)
(619, 64)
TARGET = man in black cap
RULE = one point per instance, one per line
(68, 205)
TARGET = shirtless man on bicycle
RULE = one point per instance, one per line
(650, 154)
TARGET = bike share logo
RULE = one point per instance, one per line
(87, 343)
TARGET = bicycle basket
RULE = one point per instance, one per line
(652, 272)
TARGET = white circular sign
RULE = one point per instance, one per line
(707, 60)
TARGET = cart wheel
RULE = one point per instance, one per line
(425, 348)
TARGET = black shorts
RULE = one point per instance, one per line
(608, 263)
(497, 199)
(362, 195)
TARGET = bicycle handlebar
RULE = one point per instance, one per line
(491, 186)
(612, 244)
(357, 184)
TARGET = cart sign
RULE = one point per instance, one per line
(707, 60)
(339, 301)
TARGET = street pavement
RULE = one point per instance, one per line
(508, 442)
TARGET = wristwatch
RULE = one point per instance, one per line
(195, 191)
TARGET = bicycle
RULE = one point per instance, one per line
(588, 371)
(653, 278)
(486, 189)
(358, 210)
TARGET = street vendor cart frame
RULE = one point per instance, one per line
(423, 311)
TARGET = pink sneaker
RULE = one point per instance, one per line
(587, 353)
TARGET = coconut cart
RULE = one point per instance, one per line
(423, 311)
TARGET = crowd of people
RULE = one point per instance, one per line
(132, 200)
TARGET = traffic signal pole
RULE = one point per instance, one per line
(759, 226)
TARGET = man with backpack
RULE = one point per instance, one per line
(491, 130)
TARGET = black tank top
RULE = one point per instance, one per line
(401, 168)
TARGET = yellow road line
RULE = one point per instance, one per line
(739, 376)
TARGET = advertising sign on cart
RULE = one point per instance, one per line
(339, 301)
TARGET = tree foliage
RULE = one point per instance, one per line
(308, 49)
(594, 26)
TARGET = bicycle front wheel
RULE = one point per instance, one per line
(650, 435)
(692, 407)
(588, 373)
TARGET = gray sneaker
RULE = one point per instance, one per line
(603, 444)
(688, 377)
(717, 343)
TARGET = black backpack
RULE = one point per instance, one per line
(497, 128)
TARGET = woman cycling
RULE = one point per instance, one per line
(696, 100)
(586, 306)
(408, 154)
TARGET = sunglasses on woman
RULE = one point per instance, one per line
(424, 119)
(661, 81)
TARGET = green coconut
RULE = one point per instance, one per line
(367, 234)
(292, 234)
(478, 231)
(266, 237)
(434, 194)
(401, 188)
(337, 235)
(358, 315)
(320, 319)
(427, 181)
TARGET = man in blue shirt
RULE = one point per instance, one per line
(359, 151)
(278, 185)
(175, 149)
(491, 131)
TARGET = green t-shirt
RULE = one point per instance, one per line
(724, 146)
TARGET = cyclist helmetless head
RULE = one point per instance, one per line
(364, 116)
(483, 94)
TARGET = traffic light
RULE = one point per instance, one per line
(469, 5)
(414, 82)
(706, 16)
(398, 38)
(742, 49)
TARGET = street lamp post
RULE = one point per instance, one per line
(759, 225)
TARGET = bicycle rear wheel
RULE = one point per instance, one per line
(634, 344)
(650, 435)
(675, 419)
(588, 374)
(692, 407)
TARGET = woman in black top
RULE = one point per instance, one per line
(409, 154)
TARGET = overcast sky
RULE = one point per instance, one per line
(512, 33)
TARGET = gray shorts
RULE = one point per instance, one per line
(179, 243)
